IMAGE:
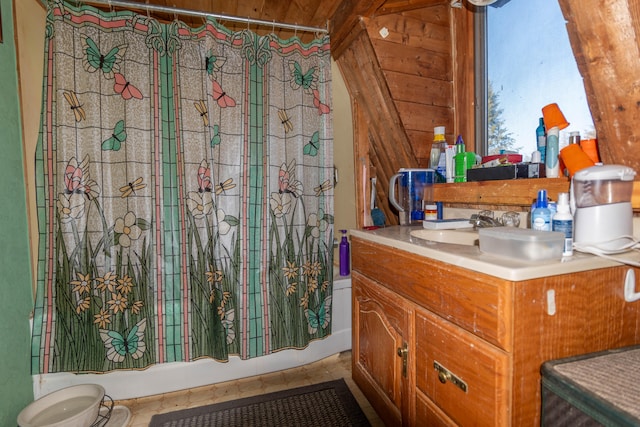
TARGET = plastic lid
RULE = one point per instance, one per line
(605, 172)
(415, 170)
(563, 203)
(438, 130)
(563, 199)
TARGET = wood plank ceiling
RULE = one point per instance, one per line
(312, 13)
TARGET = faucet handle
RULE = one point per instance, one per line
(486, 213)
(480, 220)
(510, 219)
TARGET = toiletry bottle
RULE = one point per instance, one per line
(345, 259)
(541, 216)
(574, 137)
(541, 139)
(430, 212)
(459, 161)
(436, 146)
(441, 144)
(563, 221)
(552, 165)
(450, 172)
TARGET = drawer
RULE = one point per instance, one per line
(428, 414)
(476, 392)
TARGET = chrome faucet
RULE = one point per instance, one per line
(483, 221)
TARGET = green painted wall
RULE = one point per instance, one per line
(16, 389)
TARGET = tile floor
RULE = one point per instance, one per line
(330, 368)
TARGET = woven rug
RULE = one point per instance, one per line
(329, 404)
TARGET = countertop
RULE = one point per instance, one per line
(471, 258)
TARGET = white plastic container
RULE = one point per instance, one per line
(521, 243)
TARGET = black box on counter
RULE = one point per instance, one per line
(512, 171)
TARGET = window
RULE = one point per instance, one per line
(528, 63)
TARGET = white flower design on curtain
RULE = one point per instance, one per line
(127, 229)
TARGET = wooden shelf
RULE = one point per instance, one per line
(512, 192)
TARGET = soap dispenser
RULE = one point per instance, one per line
(563, 221)
(345, 259)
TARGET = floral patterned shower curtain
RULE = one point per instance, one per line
(185, 193)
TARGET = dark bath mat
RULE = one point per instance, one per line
(326, 404)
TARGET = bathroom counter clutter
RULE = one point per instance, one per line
(470, 257)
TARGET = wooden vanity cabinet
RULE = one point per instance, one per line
(473, 344)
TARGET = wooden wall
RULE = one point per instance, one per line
(407, 71)
(416, 61)
(604, 37)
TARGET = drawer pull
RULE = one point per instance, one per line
(445, 375)
(403, 352)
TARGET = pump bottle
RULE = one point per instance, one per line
(345, 259)
(563, 221)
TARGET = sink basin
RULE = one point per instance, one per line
(467, 237)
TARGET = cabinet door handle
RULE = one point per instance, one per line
(445, 375)
(404, 352)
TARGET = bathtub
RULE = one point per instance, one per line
(170, 377)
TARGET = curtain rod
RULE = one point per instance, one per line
(191, 12)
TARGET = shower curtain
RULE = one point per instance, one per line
(185, 193)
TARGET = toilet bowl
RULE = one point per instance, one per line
(75, 406)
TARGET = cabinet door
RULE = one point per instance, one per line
(463, 375)
(379, 327)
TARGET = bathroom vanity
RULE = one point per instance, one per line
(446, 335)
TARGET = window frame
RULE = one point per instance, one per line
(481, 81)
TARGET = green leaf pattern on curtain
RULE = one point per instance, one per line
(185, 193)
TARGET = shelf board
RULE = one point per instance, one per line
(511, 192)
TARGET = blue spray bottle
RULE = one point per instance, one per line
(541, 139)
(541, 216)
(345, 259)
